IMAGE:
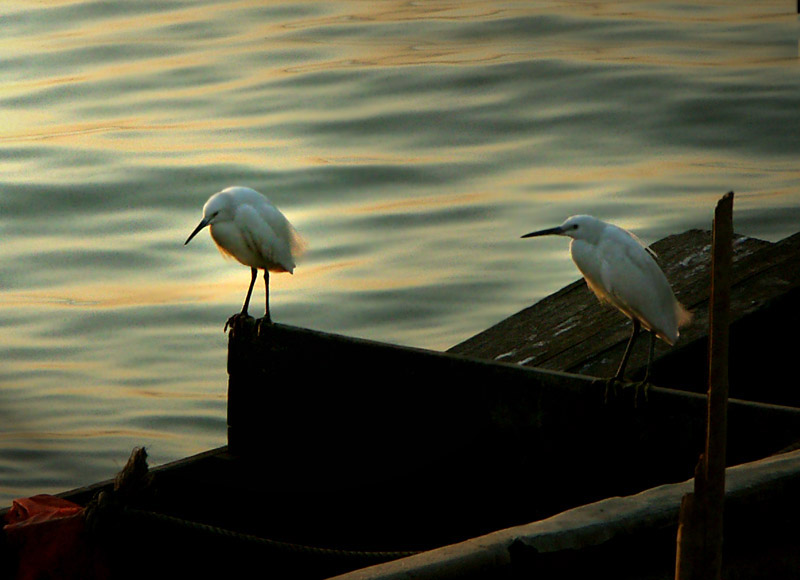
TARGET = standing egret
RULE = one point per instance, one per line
(620, 270)
(247, 227)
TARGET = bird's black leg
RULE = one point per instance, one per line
(611, 383)
(243, 313)
(249, 291)
(628, 349)
(650, 357)
(644, 382)
(267, 317)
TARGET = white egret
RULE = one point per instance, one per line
(620, 270)
(247, 227)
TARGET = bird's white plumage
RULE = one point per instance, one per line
(247, 227)
(620, 270)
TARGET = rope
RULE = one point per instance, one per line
(300, 549)
(108, 508)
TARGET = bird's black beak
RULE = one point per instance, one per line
(557, 231)
(199, 227)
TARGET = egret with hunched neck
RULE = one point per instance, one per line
(247, 227)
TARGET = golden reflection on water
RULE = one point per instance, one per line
(105, 295)
(416, 204)
(69, 133)
(38, 438)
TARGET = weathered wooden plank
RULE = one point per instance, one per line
(765, 299)
(571, 331)
(628, 538)
(571, 326)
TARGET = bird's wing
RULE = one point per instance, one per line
(643, 289)
(271, 248)
(636, 239)
(282, 228)
(614, 271)
(665, 314)
(620, 270)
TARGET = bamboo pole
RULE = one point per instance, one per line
(699, 551)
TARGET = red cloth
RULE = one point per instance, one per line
(49, 537)
(39, 508)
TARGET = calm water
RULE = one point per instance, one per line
(411, 144)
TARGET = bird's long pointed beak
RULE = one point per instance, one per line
(199, 227)
(556, 231)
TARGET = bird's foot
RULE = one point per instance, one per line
(236, 320)
(615, 384)
(263, 322)
(640, 386)
(612, 389)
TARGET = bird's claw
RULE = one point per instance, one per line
(234, 320)
(262, 322)
(643, 386)
(611, 387)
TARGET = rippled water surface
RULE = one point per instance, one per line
(410, 143)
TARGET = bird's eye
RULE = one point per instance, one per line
(575, 227)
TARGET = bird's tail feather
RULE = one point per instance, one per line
(684, 316)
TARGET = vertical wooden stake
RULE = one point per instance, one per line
(719, 317)
(699, 553)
